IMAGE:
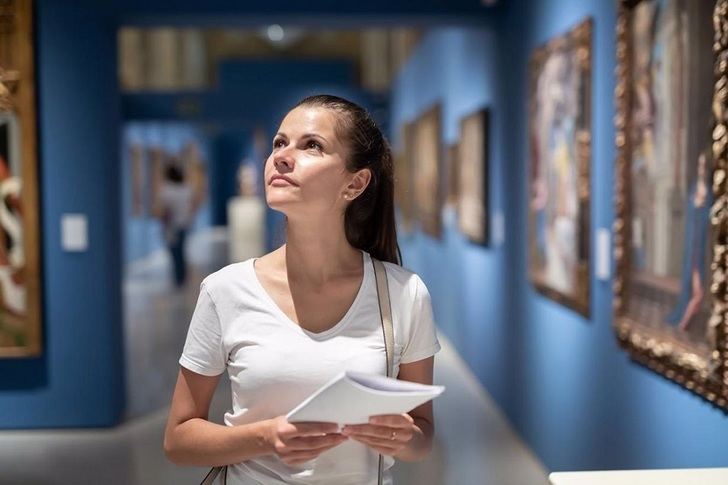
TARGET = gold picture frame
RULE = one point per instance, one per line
(671, 233)
(474, 177)
(426, 167)
(403, 186)
(560, 167)
(20, 281)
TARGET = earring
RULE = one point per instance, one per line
(346, 196)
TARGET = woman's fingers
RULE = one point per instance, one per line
(379, 432)
(315, 442)
(392, 420)
(296, 457)
(385, 447)
(291, 430)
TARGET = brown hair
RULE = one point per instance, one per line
(369, 219)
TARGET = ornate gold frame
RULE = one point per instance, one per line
(707, 377)
(578, 38)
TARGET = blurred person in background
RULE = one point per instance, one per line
(176, 207)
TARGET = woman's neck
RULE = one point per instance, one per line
(319, 253)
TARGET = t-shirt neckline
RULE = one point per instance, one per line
(366, 259)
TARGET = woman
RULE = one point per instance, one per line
(177, 203)
(286, 323)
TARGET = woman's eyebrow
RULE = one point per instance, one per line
(314, 135)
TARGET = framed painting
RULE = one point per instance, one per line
(671, 226)
(403, 186)
(136, 157)
(426, 162)
(453, 177)
(560, 161)
(20, 281)
(473, 179)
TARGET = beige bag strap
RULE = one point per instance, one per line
(385, 313)
(212, 475)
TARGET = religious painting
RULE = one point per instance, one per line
(560, 161)
(20, 298)
(670, 311)
(426, 164)
(473, 181)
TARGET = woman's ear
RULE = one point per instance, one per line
(359, 182)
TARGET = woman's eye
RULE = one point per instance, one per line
(277, 143)
(313, 144)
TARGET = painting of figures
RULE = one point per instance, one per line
(560, 159)
(20, 278)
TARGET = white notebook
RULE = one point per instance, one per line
(352, 397)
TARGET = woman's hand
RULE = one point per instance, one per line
(296, 443)
(388, 434)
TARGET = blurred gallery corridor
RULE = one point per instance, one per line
(556, 178)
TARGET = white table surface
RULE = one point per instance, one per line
(683, 476)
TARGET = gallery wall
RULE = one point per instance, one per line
(571, 393)
(79, 379)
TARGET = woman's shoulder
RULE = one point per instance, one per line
(237, 274)
(232, 274)
(402, 278)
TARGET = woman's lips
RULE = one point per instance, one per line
(281, 182)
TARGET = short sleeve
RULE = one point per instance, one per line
(422, 340)
(203, 352)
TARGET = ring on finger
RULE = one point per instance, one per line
(393, 435)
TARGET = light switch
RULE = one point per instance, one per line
(74, 232)
(603, 252)
(499, 229)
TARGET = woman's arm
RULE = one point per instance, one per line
(407, 437)
(190, 439)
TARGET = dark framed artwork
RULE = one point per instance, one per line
(671, 225)
(426, 166)
(403, 186)
(473, 177)
(453, 174)
(560, 160)
(20, 280)
(138, 170)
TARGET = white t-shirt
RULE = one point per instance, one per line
(273, 363)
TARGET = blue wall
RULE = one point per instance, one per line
(468, 283)
(571, 393)
(79, 379)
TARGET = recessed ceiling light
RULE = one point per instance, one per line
(275, 33)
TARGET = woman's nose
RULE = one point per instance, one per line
(283, 163)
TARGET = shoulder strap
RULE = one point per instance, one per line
(213, 474)
(385, 312)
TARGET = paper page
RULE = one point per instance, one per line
(346, 401)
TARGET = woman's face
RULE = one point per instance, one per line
(307, 151)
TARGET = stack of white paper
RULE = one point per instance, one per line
(352, 397)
